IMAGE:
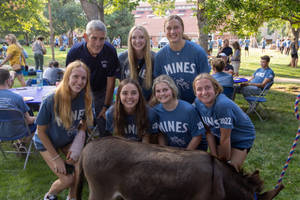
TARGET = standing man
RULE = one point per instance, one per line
(102, 60)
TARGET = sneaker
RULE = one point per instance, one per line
(50, 197)
(22, 147)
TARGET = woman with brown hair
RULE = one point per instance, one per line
(58, 122)
(130, 117)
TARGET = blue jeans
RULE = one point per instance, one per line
(250, 90)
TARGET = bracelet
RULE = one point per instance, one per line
(56, 157)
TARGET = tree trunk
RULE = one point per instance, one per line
(51, 31)
(93, 10)
(70, 37)
(203, 37)
(296, 32)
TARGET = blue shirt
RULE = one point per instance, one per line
(225, 79)
(9, 99)
(58, 135)
(179, 125)
(247, 42)
(226, 114)
(131, 129)
(105, 64)
(182, 66)
(261, 74)
(141, 70)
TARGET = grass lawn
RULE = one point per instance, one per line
(274, 138)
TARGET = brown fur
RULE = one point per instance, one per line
(140, 171)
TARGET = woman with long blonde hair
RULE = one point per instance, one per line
(15, 57)
(62, 116)
(138, 61)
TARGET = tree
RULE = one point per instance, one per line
(67, 16)
(95, 9)
(22, 16)
(119, 23)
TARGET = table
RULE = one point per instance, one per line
(33, 95)
(239, 80)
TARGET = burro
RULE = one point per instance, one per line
(117, 168)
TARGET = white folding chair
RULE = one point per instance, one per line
(256, 103)
(13, 127)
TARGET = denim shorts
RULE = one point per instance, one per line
(20, 71)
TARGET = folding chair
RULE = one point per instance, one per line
(256, 103)
(13, 127)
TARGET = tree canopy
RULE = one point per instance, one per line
(22, 16)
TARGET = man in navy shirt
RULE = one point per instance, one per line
(259, 79)
(102, 60)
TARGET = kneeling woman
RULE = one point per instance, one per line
(129, 117)
(231, 133)
(178, 121)
(58, 121)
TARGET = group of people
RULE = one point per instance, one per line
(168, 95)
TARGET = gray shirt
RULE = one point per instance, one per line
(37, 47)
(53, 74)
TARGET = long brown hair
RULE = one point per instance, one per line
(13, 40)
(141, 118)
(147, 56)
(62, 97)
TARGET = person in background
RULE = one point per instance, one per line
(14, 56)
(61, 118)
(138, 61)
(231, 133)
(236, 58)
(259, 79)
(178, 121)
(181, 59)
(225, 79)
(228, 67)
(294, 53)
(210, 46)
(247, 44)
(53, 74)
(220, 43)
(263, 44)
(129, 117)
(39, 50)
(11, 100)
(102, 60)
(226, 49)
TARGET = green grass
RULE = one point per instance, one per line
(274, 138)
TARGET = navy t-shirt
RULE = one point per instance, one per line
(105, 64)
(131, 129)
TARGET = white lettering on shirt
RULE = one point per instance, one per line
(180, 67)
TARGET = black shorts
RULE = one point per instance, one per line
(294, 55)
(246, 48)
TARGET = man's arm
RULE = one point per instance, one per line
(29, 119)
(261, 85)
(110, 86)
